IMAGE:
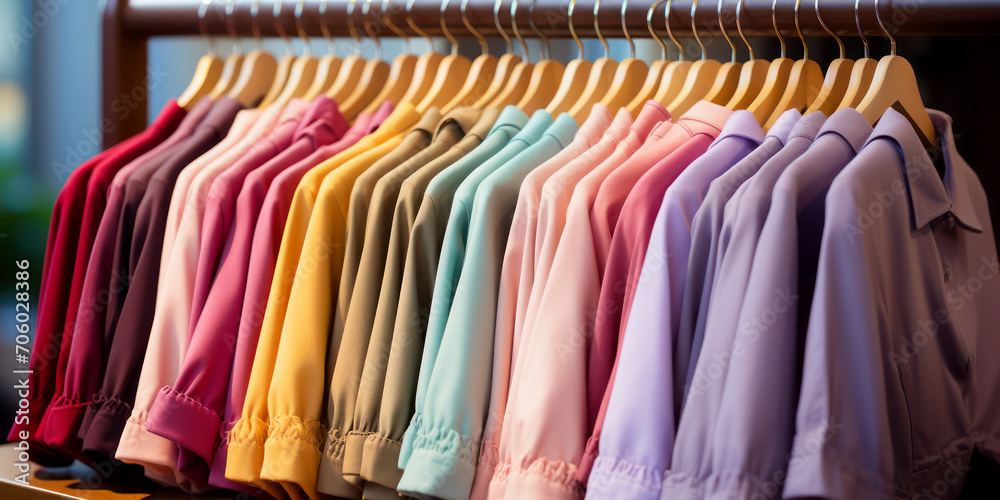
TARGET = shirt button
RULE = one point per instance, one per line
(947, 274)
(970, 364)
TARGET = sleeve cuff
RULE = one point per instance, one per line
(543, 479)
(156, 455)
(379, 461)
(431, 474)
(292, 453)
(613, 478)
(354, 449)
(185, 421)
(107, 417)
(246, 450)
(820, 473)
(65, 418)
(331, 470)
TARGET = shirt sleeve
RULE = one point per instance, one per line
(445, 449)
(640, 424)
(843, 449)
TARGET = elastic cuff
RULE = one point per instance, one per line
(379, 461)
(541, 479)
(217, 477)
(64, 421)
(291, 453)
(489, 457)
(614, 477)
(429, 473)
(682, 486)
(331, 469)
(587, 460)
(246, 450)
(106, 425)
(184, 421)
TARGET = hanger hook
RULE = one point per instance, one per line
(805, 48)
(546, 46)
(828, 30)
(321, 10)
(739, 27)
(774, 23)
(202, 10)
(276, 12)
(517, 32)
(307, 50)
(254, 24)
(694, 28)
(572, 31)
(670, 32)
(352, 28)
(496, 22)
(892, 41)
(722, 27)
(472, 29)
(597, 29)
(395, 29)
(414, 27)
(231, 26)
(447, 32)
(368, 28)
(631, 44)
(857, 20)
(649, 25)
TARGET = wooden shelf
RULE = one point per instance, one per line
(80, 481)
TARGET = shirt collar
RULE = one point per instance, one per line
(428, 122)
(195, 116)
(807, 127)
(562, 129)
(220, 117)
(323, 112)
(170, 116)
(595, 125)
(784, 125)
(484, 126)
(652, 119)
(464, 117)
(510, 117)
(850, 126)
(398, 121)
(539, 122)
(930, 196)
(742, 124)
(703, 118)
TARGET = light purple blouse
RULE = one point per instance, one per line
(638, 430)
(718, 416)
(900, 372)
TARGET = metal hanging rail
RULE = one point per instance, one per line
(128, 24)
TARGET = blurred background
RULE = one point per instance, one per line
(50, 107)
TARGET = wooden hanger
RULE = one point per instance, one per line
(303, 72)
(752, 74)
(401, 71)
(862, 73)
(601, 75)
(776, 81)
(728, 77)
(423, 74)
(574, 78)
(656, 69)
(481, 72)
(284, 70)
(256, 74)
(353, 69)
(804, 81)
(206, 72)
(545, 78)
(838, 76)
(451, 74)
(629, 77)
(895, 86)
(373, 77)
(699, 80)
(233, 63)
(506, 66)
(329, 65)
(517, 85)
(674, 75)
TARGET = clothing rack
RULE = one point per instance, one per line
(128, 25)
